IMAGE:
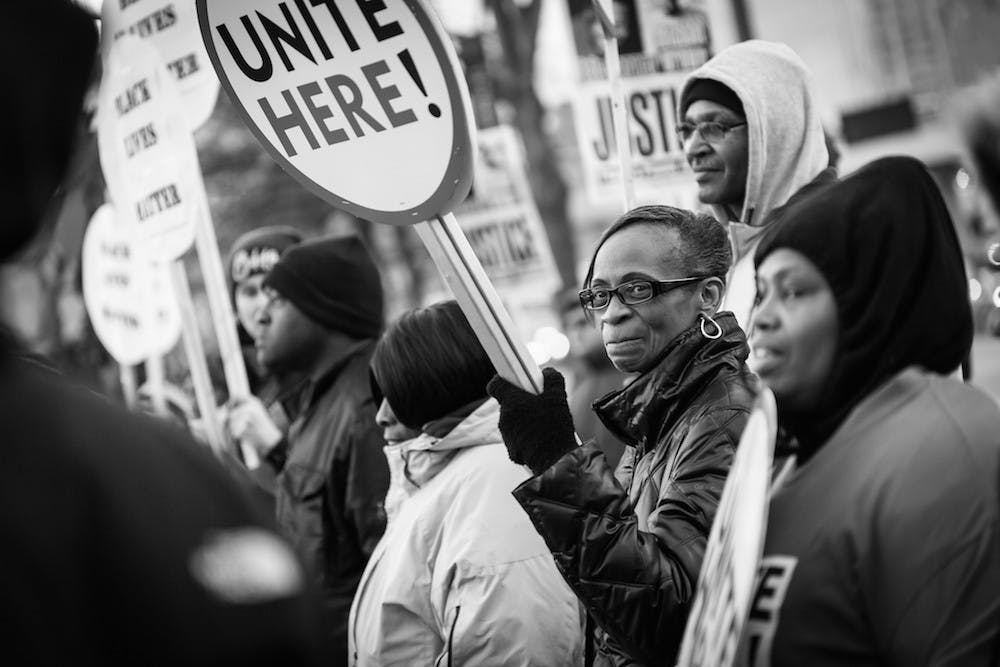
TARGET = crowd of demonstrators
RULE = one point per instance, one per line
(752, 135)
(124, 542)
(591, 375)
(322, 318)
(883, 545)
(460, 576)
(630, 542)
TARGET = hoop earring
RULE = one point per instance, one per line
(718, 329)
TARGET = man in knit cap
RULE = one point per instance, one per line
(322, 319)
(751, 132)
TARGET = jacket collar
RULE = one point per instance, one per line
(329, 368)
(657, 398)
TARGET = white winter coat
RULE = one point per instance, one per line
(460, 576)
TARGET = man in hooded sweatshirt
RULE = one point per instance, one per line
(751, 132)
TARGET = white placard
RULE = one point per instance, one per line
(171, 26)
(729, 571)
(359, 101)
(129, 300)
(147, 151)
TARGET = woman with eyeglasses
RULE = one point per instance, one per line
(630, 542)
(883, 544)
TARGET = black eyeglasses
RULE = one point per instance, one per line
(631, 293)
(711, 131)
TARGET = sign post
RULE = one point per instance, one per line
(612, 63)
(366, 106)
(729, 571)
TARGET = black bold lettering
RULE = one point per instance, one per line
(320, 113)
(603, 149)
(666, 140)
(259, 74)
(353, 108)
(385, 94)
(313, 29)
(283, 124)
(279, 36)
(338, 18)
(644, 142)
(382, 32)
(165, 18)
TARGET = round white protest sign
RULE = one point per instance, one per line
(729, 571)
(147, 151)
(364, 103)
(130, 301)
(172, 28)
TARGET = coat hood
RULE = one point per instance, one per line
(415, 462)
(787, 149)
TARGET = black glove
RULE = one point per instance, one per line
(537, 429)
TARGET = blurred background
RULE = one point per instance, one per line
(889, 73)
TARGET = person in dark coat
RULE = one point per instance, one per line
(123, 541)
(883, 541)
(630, 543)
(322, 319)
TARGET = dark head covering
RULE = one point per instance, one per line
(257, 252)
(429, 364)
(886, 244)
(713, 91)
(48, 49)
(334, 282)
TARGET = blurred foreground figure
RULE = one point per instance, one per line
(883, 546)
(630, 541)
(123, 542)
(461, 577)
(752, 135)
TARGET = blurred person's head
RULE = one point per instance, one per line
(252, 256)
(656, 272)
(854, 284)
(48, 49)
(585, 342)
(323, 295)
(428, 364)
(750, 129)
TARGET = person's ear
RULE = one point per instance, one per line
(710, 293)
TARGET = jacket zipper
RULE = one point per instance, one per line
(451, 639)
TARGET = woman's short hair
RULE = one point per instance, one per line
(430, 363)
(705, 252)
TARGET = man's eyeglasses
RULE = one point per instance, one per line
(711, 131)
(631, 293)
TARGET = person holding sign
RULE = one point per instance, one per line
(883, 546)
(630, 543)
(322, 318)
(460, 577)
(751, 132)
(124, 542)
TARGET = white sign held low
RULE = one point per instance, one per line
(728, 573)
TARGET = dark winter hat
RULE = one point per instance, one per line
(429, 364)
(334, 282)
(258, 251)
(713, 91)
(886, 245)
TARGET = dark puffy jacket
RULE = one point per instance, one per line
(645, 527)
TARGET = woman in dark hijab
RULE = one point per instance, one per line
(883, 544)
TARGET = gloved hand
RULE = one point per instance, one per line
(248, 421)
(537, 430)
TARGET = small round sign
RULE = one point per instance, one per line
(364, 103)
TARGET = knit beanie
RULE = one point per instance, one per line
(257, 252)
(713, 91)
(334, 282)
